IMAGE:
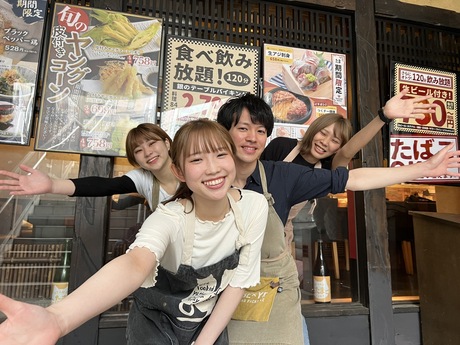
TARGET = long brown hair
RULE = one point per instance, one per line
(201, 135)
(342, 130)
(144, 131)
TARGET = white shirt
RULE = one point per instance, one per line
(143, 180)
(163, 234)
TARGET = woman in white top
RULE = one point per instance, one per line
(203, 245)
(147, 149)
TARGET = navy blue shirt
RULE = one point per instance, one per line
(290, 184)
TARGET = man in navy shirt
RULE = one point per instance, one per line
(250, 121)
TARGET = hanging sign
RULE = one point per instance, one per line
(21, 31)
(300, 85)
(101, 80)
(201, 75)
(416, 140)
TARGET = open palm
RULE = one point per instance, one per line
(27, 324)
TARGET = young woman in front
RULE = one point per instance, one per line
(192, 258)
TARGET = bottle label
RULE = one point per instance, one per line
(322, 289)
(60, 290)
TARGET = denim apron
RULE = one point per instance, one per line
(168, 313)
(284, 326)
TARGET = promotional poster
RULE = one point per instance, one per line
(416, 140)
(201, 75)
(101, 80)
(300, 85)
(21, 31)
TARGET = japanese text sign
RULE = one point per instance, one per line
(201, 75)
(416, 140)
(441, 86)
(21, 31)
(414, 149)
(300, 85)
(101, 80)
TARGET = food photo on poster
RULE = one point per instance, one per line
(21, 31)
(300, 85)
(101, 77)
(288, 106)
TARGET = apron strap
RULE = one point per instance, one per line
(274, 237)
(189, 233)
(238, 221)
(155, 193)
(263, 181)
(295, 151)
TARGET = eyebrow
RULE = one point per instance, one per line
(249, 123)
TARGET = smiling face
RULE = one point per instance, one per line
(209, 174)
(324, 144)
(147, 146)
(202, 155)
(152, 155)
(249, 138)
(324, 137)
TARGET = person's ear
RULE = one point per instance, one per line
(168, 144)
(178, 173)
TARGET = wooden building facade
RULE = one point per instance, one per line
(372, 33)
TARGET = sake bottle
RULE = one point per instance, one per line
(60, 285)
(321, 277)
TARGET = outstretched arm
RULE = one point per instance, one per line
(221, 315)
(35, 182)
(32, 325)
(437, 165)
(395, 107)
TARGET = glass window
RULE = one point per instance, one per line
(37, 236)
(400, 199)
(328, 221)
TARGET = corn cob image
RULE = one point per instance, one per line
(117, 31)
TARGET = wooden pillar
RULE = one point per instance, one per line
(91, 224)
(378, 259)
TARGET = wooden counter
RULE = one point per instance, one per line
(437, 248)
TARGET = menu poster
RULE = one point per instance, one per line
(416, 140)
(101, 80)
(21, 31)
(201, 75)
(300, 85)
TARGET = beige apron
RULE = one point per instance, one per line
(289, 227)
(284, 326)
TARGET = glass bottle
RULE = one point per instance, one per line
(321, 277)
(60, 285)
